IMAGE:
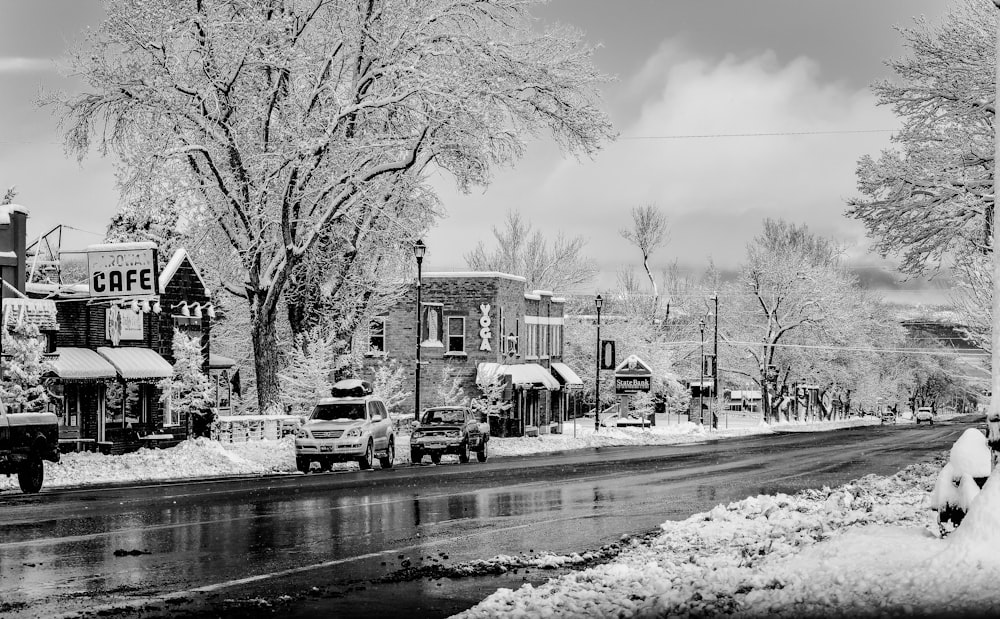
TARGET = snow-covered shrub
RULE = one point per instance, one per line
(23, 368)
(388, 384)
(491, 400)
(305, 377)
(956, 485)
(448, 389)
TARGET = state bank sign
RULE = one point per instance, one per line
(122, 269)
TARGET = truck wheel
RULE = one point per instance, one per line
(482, 454)
(436, 458)
(30, 477)
(303, 464)
(463, 452)
(390, 455)
(365, 461)
(416, 455)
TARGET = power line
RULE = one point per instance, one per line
(753, 135)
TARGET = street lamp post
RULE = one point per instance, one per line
(701, 377)
(419, 249)
(597, 373)
(715, 367)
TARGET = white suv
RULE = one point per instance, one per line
(351, 425)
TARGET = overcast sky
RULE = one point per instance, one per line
(683, 67)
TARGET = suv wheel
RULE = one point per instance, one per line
(30, 477)
(390, 455)
(365, 461)
(463, 452)
(416, 455)
(482, 454)
(303, 464)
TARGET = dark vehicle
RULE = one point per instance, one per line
(26, 439)
(449, 430)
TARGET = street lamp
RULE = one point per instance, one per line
(419, 249)
(701, 377)
(597, 374)
(715, 365)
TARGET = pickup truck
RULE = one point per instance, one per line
(449, 430)
(26, 439)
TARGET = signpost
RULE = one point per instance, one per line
(632, 376)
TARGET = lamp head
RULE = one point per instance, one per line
(185, 310)
(599, 301)
(210, 310)
(419, 249)
(156, 307)
(197, 310)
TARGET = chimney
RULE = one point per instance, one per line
(13, 233)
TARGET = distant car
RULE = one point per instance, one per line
(449, 430)
(924, 413)
(351, 425)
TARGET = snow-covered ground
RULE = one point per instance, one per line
(201, 458)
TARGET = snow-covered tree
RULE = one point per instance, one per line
(388, 383)
(929, 195)
(8, 196)
(188, 390)
(491, 399)
(24, 365)
(556, 265)
(283, 119)
(306, 372)
(448, 389)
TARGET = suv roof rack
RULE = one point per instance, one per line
(351, 388)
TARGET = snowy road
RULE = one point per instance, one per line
(300, 545)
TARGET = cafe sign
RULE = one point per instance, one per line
(122, 269)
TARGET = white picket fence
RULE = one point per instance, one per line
(243, 428)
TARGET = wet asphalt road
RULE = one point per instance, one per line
(368, 543)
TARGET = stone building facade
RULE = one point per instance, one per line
(476, 327)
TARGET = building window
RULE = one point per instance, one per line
(168, 411)
(456, 334)
(376, 335)
(72, 415)
(557, 342)
(502, 323)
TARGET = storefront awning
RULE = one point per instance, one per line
(566, 375)
(218, 362)
(522, 374)
(81, 364)
(138, 364)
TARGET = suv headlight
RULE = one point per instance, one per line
(453, 434)
(416, 434)
(302, 433)
(353, 432)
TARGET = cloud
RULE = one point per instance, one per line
(16, 64)
(714, 190)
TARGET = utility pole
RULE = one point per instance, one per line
(597, 373)
(993, 416)
(701, 377)
(715, 367)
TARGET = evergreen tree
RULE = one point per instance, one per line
(23, 368)
(189, 390)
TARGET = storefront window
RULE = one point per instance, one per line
(376, 335)
(136, 404)
(456, 334)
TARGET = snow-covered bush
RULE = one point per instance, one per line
(491, 400)
(387, 383)
(21, 383)
(956, 485)
(305, 377)
(448, 389)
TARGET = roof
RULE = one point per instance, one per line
(219, 362)
(167, 273)
(39, 312)
(138, 364)
(522, 374)
(7, 209)
(566, 375)
(438, 274)
(81, 364)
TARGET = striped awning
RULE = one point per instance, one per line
(566, 375)
(81, 364)
(137, 364)
(521, 374)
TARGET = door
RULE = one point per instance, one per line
(380, 435)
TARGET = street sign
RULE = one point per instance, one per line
(607, 354)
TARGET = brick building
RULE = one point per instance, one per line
(476, 327)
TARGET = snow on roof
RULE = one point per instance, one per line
(122, 246)
(532, 297)
(440, 274)
(57, 289)
(7, 209)
(168, 272)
